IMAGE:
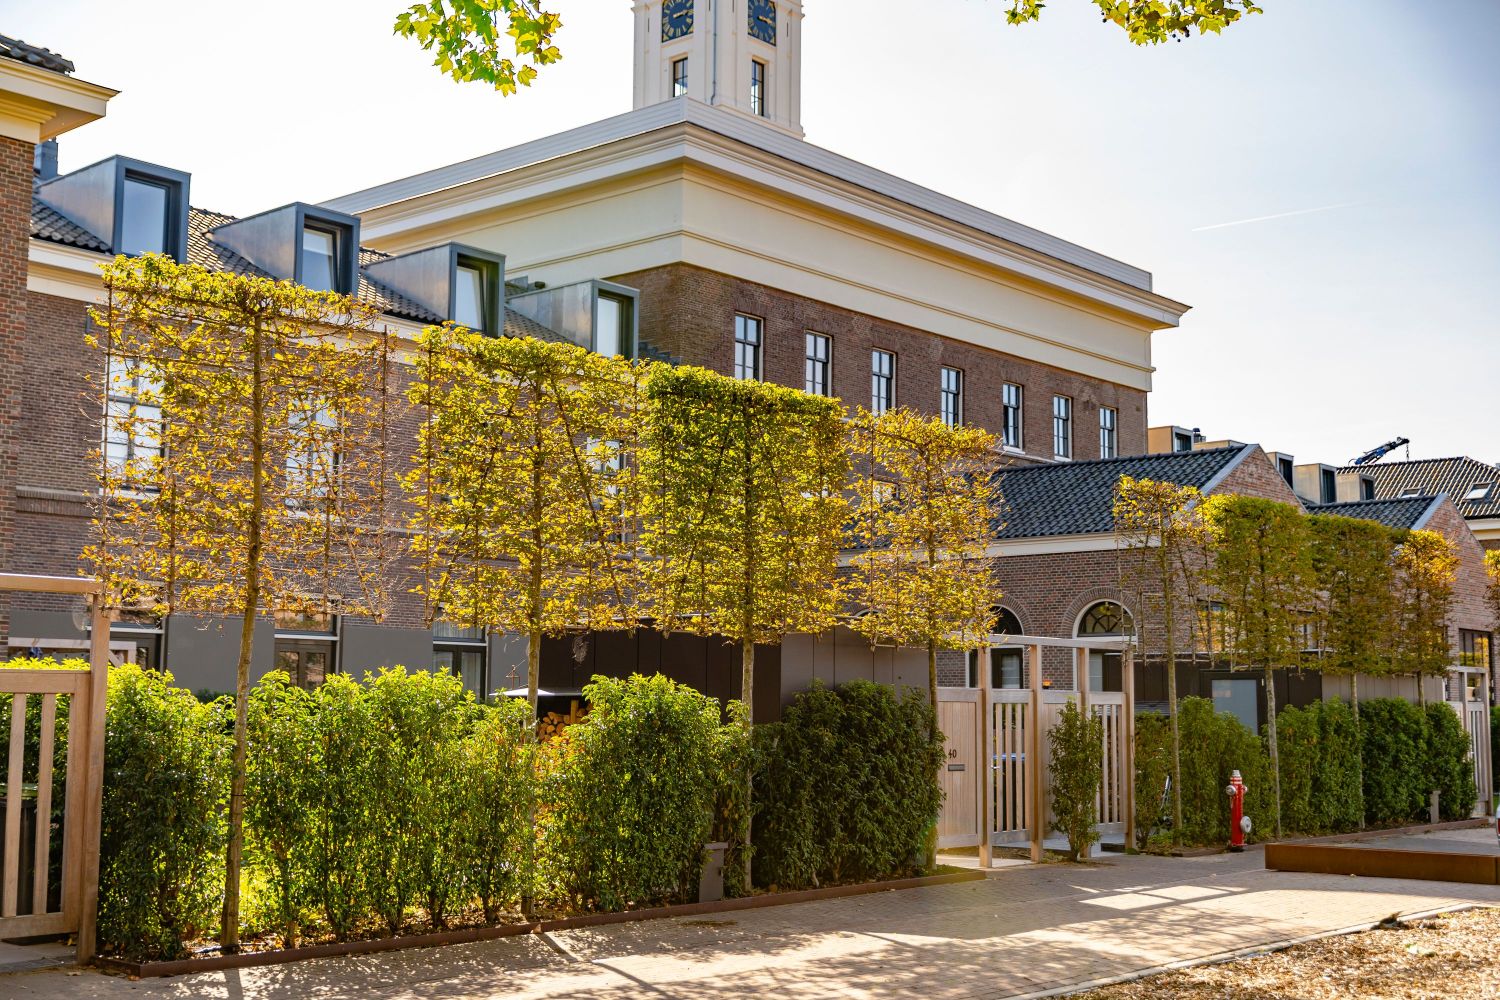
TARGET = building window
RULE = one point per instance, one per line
(1062, 427)
(145, 217)
(320, 255)
(1182, 442)
(313, 460)
(757, 88)
(461, 652)
(819, 364)
(612, 327)
(1010, 419)
(1106, 618)
(1475, 649)
(679, 77)
(1329, 485)
(1366, 489)
(882, 381)
(1284, 466)
(747, 337)
(1478, 491)
(1006, 662)
(132, 420)
(951, 396)
(305, 643)
(1108, 441)
(471, 297)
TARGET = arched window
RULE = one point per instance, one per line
(1006, 623)
(1005, 661)
(1106, 618)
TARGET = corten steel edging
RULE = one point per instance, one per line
(1383, 862)
(1377, 833)
(187, 966)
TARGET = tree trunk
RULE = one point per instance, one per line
(229, 927)
(1275, 751)
(1359, 744)
(747, 695)
(1176, 754)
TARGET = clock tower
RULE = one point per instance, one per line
(741, 55)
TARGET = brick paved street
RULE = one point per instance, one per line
(1022, 931)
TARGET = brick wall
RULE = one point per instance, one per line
(1470, 608)
(15, 234)
(689, 312)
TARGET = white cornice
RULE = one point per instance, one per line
(1103, 541)
(37, 104)
(687, 131)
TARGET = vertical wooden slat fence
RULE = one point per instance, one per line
(68, 906)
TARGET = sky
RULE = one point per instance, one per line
(1321, 183)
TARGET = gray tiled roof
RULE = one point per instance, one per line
(1077, 498)
(33, 55)
(49, 224)
(1453, 476)
(1404, 513)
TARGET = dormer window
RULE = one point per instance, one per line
(1366, 488)
(470, 294)
(132, 206)
(598, 315)
(144, 213)
(612, 325)
(319, 263)
(1478, 491)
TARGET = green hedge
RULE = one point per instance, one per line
(1153, 766)
(1393, 733)
(1320, 787)
(1213, 745)
(1447, 765)
(1075, 769)
(846, 786)
(163, 834)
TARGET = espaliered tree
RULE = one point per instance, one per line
(1492, 582)
(926, 496)
(244, 467)
(1261, 570)
(1425, 567)
(742, 511)
(1162, 539)
(1353, 566)
(522, 488)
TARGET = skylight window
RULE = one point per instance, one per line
(1410, 493)
(1478, 491)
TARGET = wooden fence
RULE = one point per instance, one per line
(995, 775)
(49, 844)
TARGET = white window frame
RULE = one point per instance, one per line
(749, 337)
(760, 90)
(1062, 428)
(124, 411)
(951, 395)
(679, 82)
(817, 365)
(882, 381)
(1109, 432)
(1013, 403)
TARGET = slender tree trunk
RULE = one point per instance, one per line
(229, 928)
(1169, 620)
(533, 677)
(747, 694)
(1359, 744)
(1275, 750)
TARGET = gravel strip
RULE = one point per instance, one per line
(1434, 958)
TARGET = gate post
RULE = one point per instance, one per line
(1034, 775)
(93, 777)
(1128, 662)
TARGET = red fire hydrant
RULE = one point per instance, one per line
(1239, 823)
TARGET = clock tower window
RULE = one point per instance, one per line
(679, 77)
(758, 87)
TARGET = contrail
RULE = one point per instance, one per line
(1278, 215)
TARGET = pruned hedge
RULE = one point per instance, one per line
(1336, 773)
(846, 786)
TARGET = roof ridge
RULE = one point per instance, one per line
(1083, 463)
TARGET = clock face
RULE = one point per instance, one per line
(763, 20)
(676, 19)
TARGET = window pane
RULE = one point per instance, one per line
(318, 269)
(143, 226)
(679, 77)
(468, 297)
(611, 323)
(817, 365)
(746, 347)
(1238, 698)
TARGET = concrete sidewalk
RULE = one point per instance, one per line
(1022, 931)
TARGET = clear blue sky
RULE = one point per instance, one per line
(1373, 311)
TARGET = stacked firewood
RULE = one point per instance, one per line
(553, 723)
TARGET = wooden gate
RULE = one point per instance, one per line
(49, 843)
(1471, 703)
(995, 769)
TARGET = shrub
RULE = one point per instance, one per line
(339, 796)
(1337, 788)
(163, 833)
(496, 789)
(1495, 745)
(732, 799)
(1076, 769)
(628, 794)
(279, 763)
(1213, 745)
(1300, 752)
(846, 786)
(1153, 766)
(1393, 738)
(1448, 766)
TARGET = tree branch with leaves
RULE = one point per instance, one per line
(1152, 22)
(498, 42)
